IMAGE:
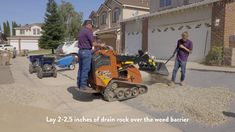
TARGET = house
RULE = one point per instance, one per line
(26, 37)
(107, 18)
(209, 23)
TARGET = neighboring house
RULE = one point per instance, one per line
(26, 37)
(209, 23)
(110, 13)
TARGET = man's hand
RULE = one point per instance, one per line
(183, 47)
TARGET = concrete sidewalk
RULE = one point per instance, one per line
(202, 67)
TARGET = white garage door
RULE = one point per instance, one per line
(163, 39)
(133, 42)
(133, 37)
(25, 44)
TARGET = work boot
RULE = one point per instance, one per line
(182, 83)
(171, 84)
(87, 89)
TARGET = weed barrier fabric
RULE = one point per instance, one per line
(203, 105)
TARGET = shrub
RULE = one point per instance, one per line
(215, 56)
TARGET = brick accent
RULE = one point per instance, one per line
(145, 34)
(221, 34)
(229, 22)
(217, 32)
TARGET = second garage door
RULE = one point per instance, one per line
(163, 39)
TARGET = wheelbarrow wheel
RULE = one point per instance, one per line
(55, 73)
(72, 67)
(31, 69)
(39, 73)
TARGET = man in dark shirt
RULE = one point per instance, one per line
(85, 43)
(183, 49)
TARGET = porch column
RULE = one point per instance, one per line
(123, 34)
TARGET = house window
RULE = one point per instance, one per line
(165, 3)
(116, 14)
(34, 31)
(94, 21)
(104, 18)
(22, 31)
(38, 31)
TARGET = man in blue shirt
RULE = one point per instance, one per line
(85, 43)
(183, 49)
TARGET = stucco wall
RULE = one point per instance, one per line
(129, 12)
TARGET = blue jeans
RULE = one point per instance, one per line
(84, 67)
(182, 65)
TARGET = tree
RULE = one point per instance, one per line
(53, 33)
(0, 28)
(71, 20)
(4, 27)
(8, 30)
(14, 25)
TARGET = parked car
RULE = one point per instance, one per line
(7, 47)
(70, 47)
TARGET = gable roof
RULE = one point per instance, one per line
(140, 3)
(28, 26)
(103, 6)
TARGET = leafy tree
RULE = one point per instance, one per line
(53, 33)
(71, 20)
(8, 30)
(4, 27)
(14, 25)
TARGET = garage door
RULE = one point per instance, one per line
(133, 42)
(163, 39)
(25, 44)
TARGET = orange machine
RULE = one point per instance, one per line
(115, 76)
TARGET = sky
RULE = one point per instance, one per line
(32, 11)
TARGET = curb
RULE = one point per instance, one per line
(212, 70)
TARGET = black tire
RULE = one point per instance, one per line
(39, 73)
(31, 69)
(55, 73)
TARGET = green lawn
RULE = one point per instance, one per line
(41, 51)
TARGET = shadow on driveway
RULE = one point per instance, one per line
(229, 114)
(84, 97)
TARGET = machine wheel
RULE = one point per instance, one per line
(121, 90)
(128, 93)
(72, 67)
(39, 73)
(135, 91)
(31, 69)
(142, 90)
(120, 94)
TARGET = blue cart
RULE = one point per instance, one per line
(67, 62)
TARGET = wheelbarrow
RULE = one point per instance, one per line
(67, 62)
(46, 67)
(34, 63)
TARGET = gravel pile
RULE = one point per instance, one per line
(204, 105)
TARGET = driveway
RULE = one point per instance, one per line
(29, 104)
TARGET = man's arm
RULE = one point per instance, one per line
(186, 49)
